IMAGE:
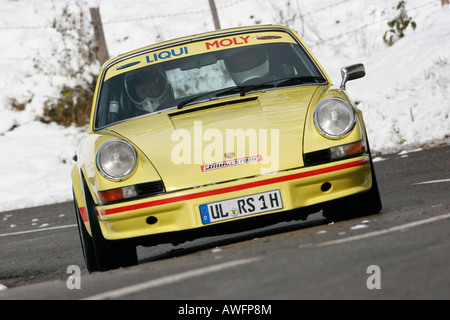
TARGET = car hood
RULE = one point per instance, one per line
(225, 139)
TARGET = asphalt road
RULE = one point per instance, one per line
(401, 253)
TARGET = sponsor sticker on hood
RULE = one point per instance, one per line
(233, 162)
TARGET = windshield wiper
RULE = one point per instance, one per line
(264, 85)
(216, 93)
(281, 82)
(244, 89)
(301, 79)
(188, 101)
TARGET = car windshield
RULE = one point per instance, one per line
(209, 69)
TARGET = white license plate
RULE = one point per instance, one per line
(241, 206)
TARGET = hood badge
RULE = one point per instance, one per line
(229, 155)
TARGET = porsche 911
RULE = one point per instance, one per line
(217, 133)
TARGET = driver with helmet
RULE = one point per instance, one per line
(147, 88)
(245, 65)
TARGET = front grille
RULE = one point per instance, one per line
(317, 157)
(150, 188)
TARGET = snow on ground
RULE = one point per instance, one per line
(404, 96)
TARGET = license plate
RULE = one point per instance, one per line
(241, 206)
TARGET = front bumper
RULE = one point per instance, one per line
(179, 211)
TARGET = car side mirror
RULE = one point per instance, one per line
(352, 72)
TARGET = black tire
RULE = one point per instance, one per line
(87, 245)
(361, 204)
(109, 254)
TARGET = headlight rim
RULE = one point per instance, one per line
(128, 172)
(349, 127)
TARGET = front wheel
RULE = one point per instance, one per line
(87, 246)
(357, 205)
(108, 254)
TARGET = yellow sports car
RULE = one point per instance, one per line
(212, 134)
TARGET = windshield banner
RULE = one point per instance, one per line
(210, 45)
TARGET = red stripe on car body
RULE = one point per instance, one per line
(234, 188)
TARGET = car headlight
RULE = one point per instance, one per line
(116, 159)
(334, 117)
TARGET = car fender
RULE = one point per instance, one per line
(313, 140)
(79, 196)
(89, 173)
